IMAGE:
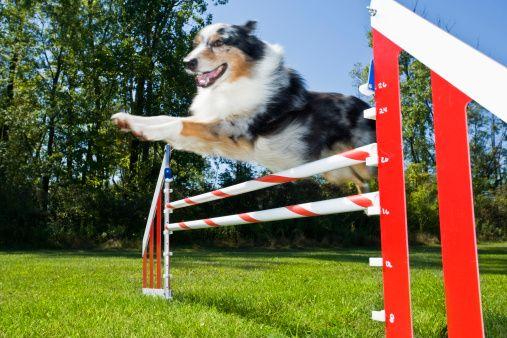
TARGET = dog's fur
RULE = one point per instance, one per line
(250, 107)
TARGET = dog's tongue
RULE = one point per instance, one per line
(205, 78)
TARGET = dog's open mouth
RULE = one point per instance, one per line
(206, 79)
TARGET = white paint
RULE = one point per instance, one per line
(376, 261)
(478, 76)
(327, 207)
(305, 170)
(153, 207)
(167, 253)
(379, 316)
(365, 90)
(370, 113)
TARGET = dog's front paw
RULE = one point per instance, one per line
(166, 131)
(122, 121)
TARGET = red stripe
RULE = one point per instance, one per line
(211, 223)
(189, 201)
(357, 155)
(248, 218)
(276, 179)
(169, 205)
(183, 225)
(220, 194)
(361, 200)
(297, 209)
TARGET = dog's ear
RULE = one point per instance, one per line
(250, 26)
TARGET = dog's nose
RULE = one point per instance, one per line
(191, 64)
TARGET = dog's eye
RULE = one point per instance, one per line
(217, 43)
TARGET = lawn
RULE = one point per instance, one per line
(227, 293)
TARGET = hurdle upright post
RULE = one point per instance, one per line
(391, 180)
(168, 177)
(457, 229)
(152, 233)
(159, 240)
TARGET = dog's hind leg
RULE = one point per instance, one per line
(358, 175)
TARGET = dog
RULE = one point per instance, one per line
(250, 107)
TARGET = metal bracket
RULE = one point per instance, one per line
(365, 90)
(372, 159)
(370, 113)
(376, 261)
(379, 316)
(375, 208)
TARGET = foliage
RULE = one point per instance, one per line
(69, 179)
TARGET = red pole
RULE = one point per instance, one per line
(144, 269)
(151, 254)
(456, 210)
(391, 179)
(159, 241)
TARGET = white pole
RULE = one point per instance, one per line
(167, 232)
(349, 158)
(366, 202)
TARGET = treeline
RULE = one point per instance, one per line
(69, 179)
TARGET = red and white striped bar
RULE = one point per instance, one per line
(327, 207)
(342, 160)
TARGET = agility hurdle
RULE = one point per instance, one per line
(459, 73)
(152, 283)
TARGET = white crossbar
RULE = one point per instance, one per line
(478, 76)
(342, 160)
(327, 207)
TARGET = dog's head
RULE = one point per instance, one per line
(224, 52)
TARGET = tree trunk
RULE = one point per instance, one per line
(4, 128)
(138, 110)
(45, 177)
(51, 134)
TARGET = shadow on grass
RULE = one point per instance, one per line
(492, 259)
(233, 306)
(65, 254)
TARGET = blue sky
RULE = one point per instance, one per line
(324, 39)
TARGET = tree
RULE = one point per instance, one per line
(65, 67)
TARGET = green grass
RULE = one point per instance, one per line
(222, 293)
